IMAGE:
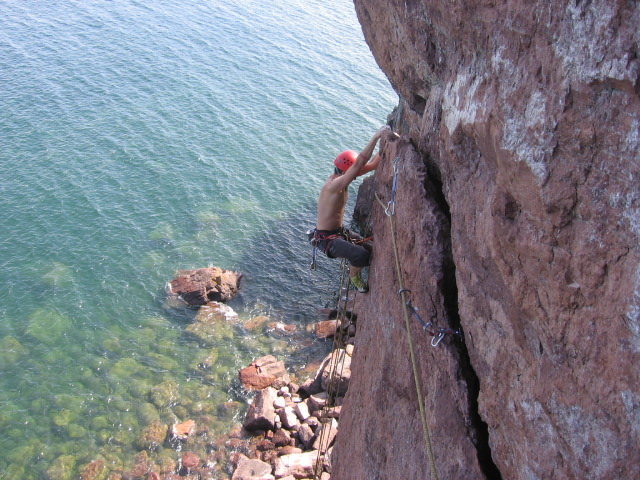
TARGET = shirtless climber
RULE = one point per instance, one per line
(330, 236)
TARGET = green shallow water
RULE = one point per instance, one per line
(136, 140)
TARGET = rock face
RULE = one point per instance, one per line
(518, 219)
(203, 285)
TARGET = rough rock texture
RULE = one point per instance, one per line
(518, 214)
(299, 465)
(261, 414)
(252, 469)
(264, 372)
(203, 285)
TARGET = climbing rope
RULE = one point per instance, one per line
(336, 363)
(403, 292)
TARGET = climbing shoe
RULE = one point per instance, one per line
(359, 283)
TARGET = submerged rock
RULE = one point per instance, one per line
(165, 394)
(125, 368)
(215, 312)
(147, 413)
(47, 326)
(62, 468)
(10, 351)
(256, 322)
(205, 360)
(152, 436)
(141, 466)
(59, 275)
(95, 470)
(76, 431)
(190, 460)
(183, 430)
(203, 285)
(210, 333)
(64, 417)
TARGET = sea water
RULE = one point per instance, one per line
(140, 138)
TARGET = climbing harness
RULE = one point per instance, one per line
(316, 236)
(343, 318)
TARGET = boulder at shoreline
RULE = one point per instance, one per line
(203, 285)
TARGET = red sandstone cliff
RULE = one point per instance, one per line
(518, 213)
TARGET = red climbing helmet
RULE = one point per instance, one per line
(345, 160)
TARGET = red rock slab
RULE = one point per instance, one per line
(202, 285)
(263, 373)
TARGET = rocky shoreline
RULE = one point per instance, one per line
(290, 428)
(285, 432)
(291, 422)
(294, 426)
(271, 422)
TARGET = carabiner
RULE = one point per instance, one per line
(435, 341)
(391, 208)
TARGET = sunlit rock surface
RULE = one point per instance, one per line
(518, 217)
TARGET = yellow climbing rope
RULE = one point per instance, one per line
(390, 212)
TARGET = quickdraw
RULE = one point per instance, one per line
(391, 204)
(438, 334)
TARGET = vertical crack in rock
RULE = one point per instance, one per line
(478, 429)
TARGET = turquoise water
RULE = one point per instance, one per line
(137, 139)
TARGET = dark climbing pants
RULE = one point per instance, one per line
(358, 255)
